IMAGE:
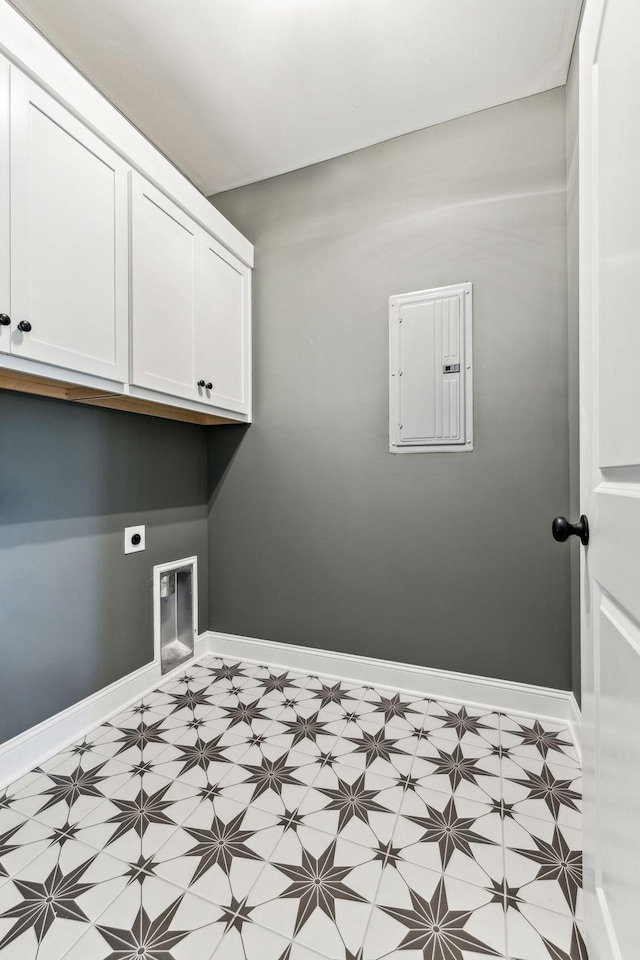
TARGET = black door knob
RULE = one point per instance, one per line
(562, 529)
(25, 326)
(5, 319)
(209, 385)
(201, 383)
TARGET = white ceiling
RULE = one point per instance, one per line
(235, 91)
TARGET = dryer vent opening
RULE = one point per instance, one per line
(175, 616)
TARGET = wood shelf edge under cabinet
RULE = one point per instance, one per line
(59, 390)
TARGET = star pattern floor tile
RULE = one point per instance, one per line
(243, 812)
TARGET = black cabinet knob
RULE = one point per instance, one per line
(25, 326)
(562, 529)
(5, 319)
(209, 385)
(201, 383)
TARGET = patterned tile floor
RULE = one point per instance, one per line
(240, 814)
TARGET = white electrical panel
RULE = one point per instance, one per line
(430, 370)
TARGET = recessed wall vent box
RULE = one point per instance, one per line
(175, 611)
(431, 371)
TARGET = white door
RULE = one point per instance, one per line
(5, 207)
(610, 471)
(165, 245)
(69, 239)
(223, 328)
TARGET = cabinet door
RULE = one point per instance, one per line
(224, 327)
(69, 239)
(165, 277)
(5, 206)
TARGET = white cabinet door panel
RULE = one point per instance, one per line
(69, 238)
(224, 326)
(165, 278)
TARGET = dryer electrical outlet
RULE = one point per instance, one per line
(431, 371)
(134, 539)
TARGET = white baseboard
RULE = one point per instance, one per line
(28, 749)
(522, 699)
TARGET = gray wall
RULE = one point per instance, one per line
(76, 613)
(573, 383)
(320, 537)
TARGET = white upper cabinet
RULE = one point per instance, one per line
(165, 266)
(120, 284)
(224, 328)
(190, 306)
(69, 244)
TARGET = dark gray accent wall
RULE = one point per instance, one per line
(317, 535)
(76, 614)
